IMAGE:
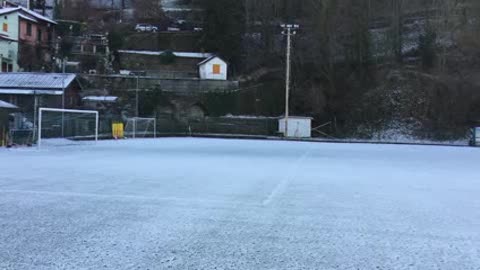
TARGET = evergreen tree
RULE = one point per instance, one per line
(224, 28)
(57, 9)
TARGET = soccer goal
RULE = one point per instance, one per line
(64, 126)
(138, 127)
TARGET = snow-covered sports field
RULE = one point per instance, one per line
(232, 204)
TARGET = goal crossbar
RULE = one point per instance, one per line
(41, 110)
(134, 123)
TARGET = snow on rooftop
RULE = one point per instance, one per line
(177, 54)
(5, 37)
(13, 91)
(28, 18)
(35, 81)
(101, 98)
(210, 59)
(8, 10)
(6, 105)
(38, 15)
(28, 13)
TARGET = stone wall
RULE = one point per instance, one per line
(119, 83)
(180, 41)
(135, 62)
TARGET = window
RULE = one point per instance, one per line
(4, 67)
(5, 27)
(29, 29)
(10, 67)
(39, 35)
(216, 69)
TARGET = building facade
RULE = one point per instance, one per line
(9, 22)
(26, 40)
(213, 68)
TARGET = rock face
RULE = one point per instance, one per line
(111, 4)
(413, 104)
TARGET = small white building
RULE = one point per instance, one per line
(476, 136)
(213, 68)
(298, 126)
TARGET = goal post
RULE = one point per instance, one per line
(141, 127)
(41, 115)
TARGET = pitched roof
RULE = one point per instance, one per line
(101, 98)
(210, 59)
(6, 105)
(5, 37)
(13, 91)
(4, 11)
(177, 54)
(35, 81)
(28, 18)
(37, 15)
(31, 15)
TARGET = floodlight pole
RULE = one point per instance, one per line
(289, 30)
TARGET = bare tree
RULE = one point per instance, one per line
(148, 11)
(77, 10)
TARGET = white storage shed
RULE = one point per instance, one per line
(298, 126)
(476, 136)
(213, 68)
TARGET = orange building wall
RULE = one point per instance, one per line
(33, 37)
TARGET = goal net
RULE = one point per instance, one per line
(138, 127)
(66, 127)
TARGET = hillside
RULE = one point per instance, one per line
(372, 67)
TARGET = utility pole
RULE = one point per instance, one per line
(289, 30)
(35, 108)
(136, 99)
(136, 111)
(63, 97)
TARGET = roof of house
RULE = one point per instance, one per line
(27, 17)
(177, 54)
(38, 15)
(14, 91)
(297, 117)
(28, 14)
(5, 37)
(6, 105)
(101, 98)
(210, 59)
(35, 81)
(8, 10)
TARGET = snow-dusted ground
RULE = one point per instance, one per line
(229, 204)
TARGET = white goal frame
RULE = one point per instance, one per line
(143, 118)
(41, 110)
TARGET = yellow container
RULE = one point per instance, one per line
(117, 130)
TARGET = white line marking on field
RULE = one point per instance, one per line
(282, 186)
(106, 196)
